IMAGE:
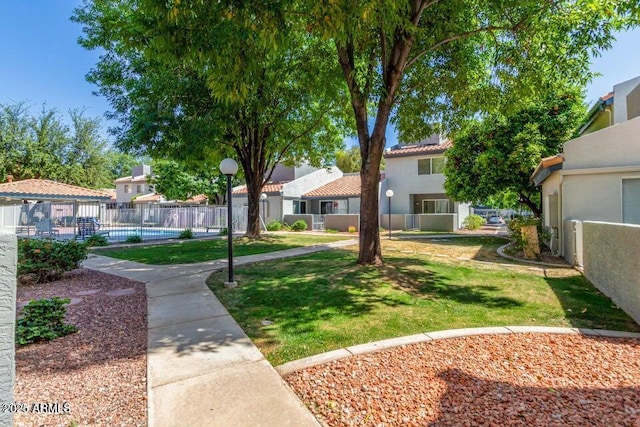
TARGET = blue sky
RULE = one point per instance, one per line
(42, 62)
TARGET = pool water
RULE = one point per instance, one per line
(144, 233)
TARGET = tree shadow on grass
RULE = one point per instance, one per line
(586, 307)
(298, 293)
(413, 274)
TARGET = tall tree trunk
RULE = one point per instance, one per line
(253, 212)
(370, 250)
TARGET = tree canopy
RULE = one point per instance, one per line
(175, 182)
(43, 146)
(200, 81)
(497, 155)
(419, 62)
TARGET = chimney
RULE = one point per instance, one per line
(9, 178)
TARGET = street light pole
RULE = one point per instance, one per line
(263, 198)
(229, 168)
(389, 194)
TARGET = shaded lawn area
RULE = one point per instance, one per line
(192, 251)
(325, 301)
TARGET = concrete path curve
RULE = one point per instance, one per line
(202, 369)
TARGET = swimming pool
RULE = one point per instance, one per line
(121, 234)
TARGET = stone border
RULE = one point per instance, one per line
(319, 359)
(545, 264)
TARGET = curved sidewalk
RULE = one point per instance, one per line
(202, 369)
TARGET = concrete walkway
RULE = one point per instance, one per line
(202, 369)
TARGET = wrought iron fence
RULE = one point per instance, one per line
(117, 221)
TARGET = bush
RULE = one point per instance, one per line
(96, 240)
(186, 234)
(515, 235)
(331, 231)
(43, 320)
(133, 239)
(224, 231)
(45, 260)
(473, 222)
(352, 229)
(299, 225)
(274, 225)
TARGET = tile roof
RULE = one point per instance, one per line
(151, 197)
(417, 150)
(347, 186)
(269, 188)
(43, 189)
(199, 198)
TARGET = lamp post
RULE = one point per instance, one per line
(229, 168)
(263, 199)
(389, 194)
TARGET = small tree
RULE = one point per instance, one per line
(499, 154)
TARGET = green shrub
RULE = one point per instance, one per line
(352, 229)
(299, 225)
(133, 239)
(96, 240)
(186, 234)
(515, 235)
(43, 320)
(274, 225)
(331, 231)
(45, 260)
(224, 231)
(473, 222)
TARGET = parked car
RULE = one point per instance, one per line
(495, 220)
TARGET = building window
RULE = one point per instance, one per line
(435, 206)
(299, 207)
(431, 166)
(138, 188)
(127, 188)
(631, 200)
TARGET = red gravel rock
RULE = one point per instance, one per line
(501, 380)
(99, 371)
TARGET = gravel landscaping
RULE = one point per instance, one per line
(499, 380)
(99, 371)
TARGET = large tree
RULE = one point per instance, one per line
(199, 81)
(418, 62)
(43, 146)
(498, 154)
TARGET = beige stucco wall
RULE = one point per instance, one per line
(397, 221)
(341, 222)
(614, 146)
(612, 264)
(438, 222)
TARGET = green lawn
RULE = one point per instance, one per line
(191, 251)
(325, 301)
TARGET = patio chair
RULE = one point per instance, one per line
(46, 227)
(88, 226)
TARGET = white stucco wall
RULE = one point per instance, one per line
(402, 177)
